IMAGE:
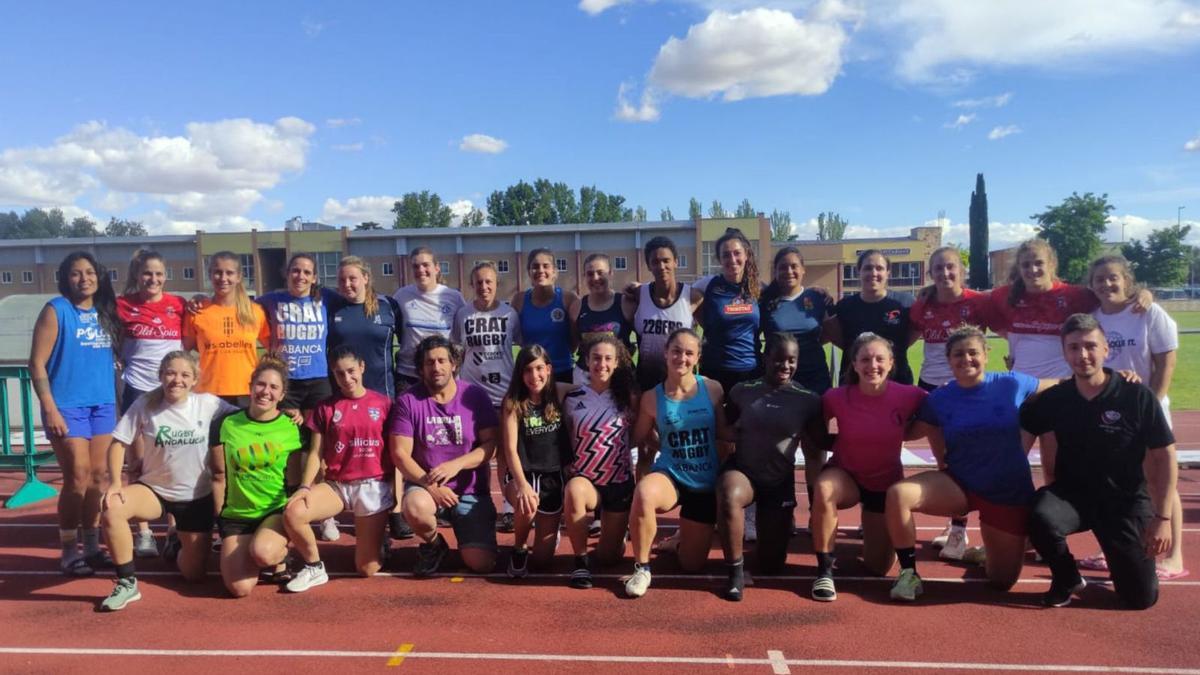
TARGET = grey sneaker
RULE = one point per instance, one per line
(307, 577)
(637, 585)
(430, 556)
(908, 586)
(124, 592)
(144, 545)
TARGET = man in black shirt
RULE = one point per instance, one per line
(1096, 432)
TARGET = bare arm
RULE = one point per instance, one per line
(831, 331)
(937, 443)
(643, 430)
(917, 429)
(216, 458)
(1161, 373)
(725, 434)
(45, 334)
(312, 460)
(401, 448)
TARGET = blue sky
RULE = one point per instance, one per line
(242, 115)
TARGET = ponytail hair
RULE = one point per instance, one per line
(245, 308)
(136, 264)
(371, 303)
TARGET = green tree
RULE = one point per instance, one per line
(831, 226)
(368, 225)
(666, 214)
(34, 224)
(473, 218)
(1074, 228)
(978, 263)
(81, 227)
(745, 210)
(694, 209)
(715, 210)
(639, 214)
(964, 254)
(119, 227)
(421, 209)
(1163, 259)
(781, 226)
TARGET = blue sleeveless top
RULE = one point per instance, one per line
(687, 431)
(549, 327)
(730, 320)
(81, 364)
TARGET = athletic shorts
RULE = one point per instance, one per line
(549, 488)
(1004, 517)
(694, 505)
(365, 497)
(235, 527)
(306, 394)
(613, 497)
(195, 515)
(88, 421)
(473, 519)
(128, 395)
(872, 501)
(780, 496)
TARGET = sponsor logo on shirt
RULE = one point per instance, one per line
(227, 326)
(337, 416)
(557, 315)
(736, 308)
(1117, 343)
(1110, 416)
(374, 414)
(808, 304)
(892, 317)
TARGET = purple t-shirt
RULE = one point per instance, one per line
(445, 431)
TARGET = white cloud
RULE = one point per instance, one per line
(348, 147)
(754, 53)
(997, 101)
(962, 121)
(312, 28)
(594, 7)
(338, 122)
(1000, 132)
(158, 222)
(209, 177)
(482, 143)
(359, 209)
(1132, 227)
(941, 38)
(1192, 145)
(645, 111)
(460, 208)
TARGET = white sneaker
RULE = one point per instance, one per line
(636, 585)
(751, 533)
(956, 544)
(329, 530)
(940, 540)
(144, 545)
(307, 577)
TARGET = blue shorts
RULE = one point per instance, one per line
(88, 421)
(473, 519)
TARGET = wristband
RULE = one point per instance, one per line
(304, 487)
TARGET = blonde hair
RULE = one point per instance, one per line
(154, 397)
(241, 299)
(1029, 246)
(371, 303)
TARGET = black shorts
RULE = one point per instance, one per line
(780, 496)
(549, 488)
(306, 394)
(190, 516)
(615, 497)
(234, 527)
(927, 386)
(872, 501)
(128, 395)
(700, 507)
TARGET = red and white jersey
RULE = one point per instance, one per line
(936, 320)
(151, 331)
(1033, 326)
(352, 438)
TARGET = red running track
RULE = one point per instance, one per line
(494, 625)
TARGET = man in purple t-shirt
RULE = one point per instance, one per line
(443, 436)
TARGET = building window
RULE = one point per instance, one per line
(444, 268)
(5, 277)
(27, 277)
(170, 274)
(388, 270)
(502, 266)
(620, 263)
(682, 262)
(560, 264)
(112, 276)
(56, 276)
(189, 273)
(849, 273)
(327, 268)
(905, 274)
(247, 269)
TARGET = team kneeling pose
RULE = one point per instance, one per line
(584, 440)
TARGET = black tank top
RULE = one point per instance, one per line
(542, 445)
(610, 321)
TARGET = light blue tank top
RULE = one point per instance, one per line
(81, 363)
(549, 327)
(687, 431)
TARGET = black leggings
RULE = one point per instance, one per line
(1058, 512)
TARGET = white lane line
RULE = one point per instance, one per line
(779, 665)
(775, 659)
(664, 526)
(1092, 580)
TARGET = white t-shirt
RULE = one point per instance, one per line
(488, 339)
(1133, 338)
(175, 444)
(423, 314)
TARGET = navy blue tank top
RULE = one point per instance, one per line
(592, 323)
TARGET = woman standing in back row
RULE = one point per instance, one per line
(543, 311)
(427, 307)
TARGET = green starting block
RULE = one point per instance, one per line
(32, 489)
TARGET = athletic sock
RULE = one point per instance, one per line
(736, 569)
(824, 564)
(907, 557)
(641, 566)
(69, 541)
(91, 541)
(314, 565)
(125, 570)
(959, 522)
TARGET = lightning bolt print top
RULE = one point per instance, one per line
(600, 437)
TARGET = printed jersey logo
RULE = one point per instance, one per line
(892, 317)
(557, 315)
(444, 430)
(738, 308)
(374, 414)
(337, 416)
(1110, 416)
(227, 326)
(601, 448)
(256, 456)
(166, 437)
(1117, 343)
(659, 326)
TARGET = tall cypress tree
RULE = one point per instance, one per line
(979, 236)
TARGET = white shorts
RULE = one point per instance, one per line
(365, 497)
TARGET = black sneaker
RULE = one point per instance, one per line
(737, 583)
(594, 528)
(581, 576)
(518, 563)
(1059, 595)
(170, 549)
(430, 556)
(504, 524)
(402, 530)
